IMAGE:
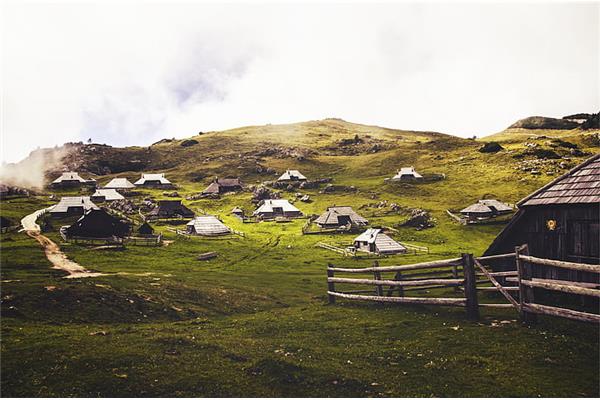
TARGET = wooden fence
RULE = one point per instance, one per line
(468, 275)
(450, 273)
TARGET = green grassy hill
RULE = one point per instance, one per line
(254, 321)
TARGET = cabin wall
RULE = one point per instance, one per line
(574, 237)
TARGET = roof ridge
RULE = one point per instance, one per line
(557, 180)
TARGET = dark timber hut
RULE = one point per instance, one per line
(97, 224)
(340, 216)
(560, 221)
(170, 209)
(145, 229)
(220, 186)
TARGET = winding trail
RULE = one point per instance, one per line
(58, 259)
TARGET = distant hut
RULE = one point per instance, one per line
(5, 224)
(4, 191)
(238, 212)
(145, 229)
(119, 184)
(154, 181)
(170, 209)
(487, 208)
(97, 224)
(373, 241)
(101, 195)
(340, 216)
(559, 221)
(292, 175)
(273, 208)
(220, 186)
(407, 174)
(75, 205)
(70, 180)
(207, 225)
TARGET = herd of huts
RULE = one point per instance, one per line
(559, 221)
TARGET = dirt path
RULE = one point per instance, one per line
(58, 259)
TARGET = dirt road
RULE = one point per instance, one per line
(58, 259)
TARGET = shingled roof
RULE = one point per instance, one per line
(581, 185)
(333, 214)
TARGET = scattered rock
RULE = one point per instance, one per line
(491, 147)
(188, 143)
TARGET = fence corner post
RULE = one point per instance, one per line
(525, 292)
(330, 285)
(470, 286)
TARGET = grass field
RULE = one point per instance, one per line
(255, 320)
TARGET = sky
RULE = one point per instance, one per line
(133, 73)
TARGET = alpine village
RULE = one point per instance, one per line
(321, 258)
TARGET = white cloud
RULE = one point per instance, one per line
(131, 74)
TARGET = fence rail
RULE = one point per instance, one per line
(421, 278)
(437, 274)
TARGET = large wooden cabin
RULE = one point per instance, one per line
(560, 221)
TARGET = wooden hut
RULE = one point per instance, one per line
(72, 205)
(340, 216)
(407, 174)
(170, 209)
(487, 208)
(292, 175)
(238, 212)
(207, 225)
(101, 195)
(374, 241)
(97, 223)
(70, 180)
(157, 181)
(221, 186)
(560, 221)
(273, 208)
(145, 229)
(119, 184)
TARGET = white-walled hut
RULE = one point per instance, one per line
(340, 216)
(72, 205)
(154, 181)
(407, 174)
(207, 225)
(292, 175)
(120, 184)
(101, 195)
(70, 180)
(374, 241)
(487, 208)
(273, 208)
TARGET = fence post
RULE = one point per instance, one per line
(525, 292)
(397, 277)
(470, 286)
(330, 285)
(377, 276)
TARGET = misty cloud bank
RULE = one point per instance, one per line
(130, 75)
(31, 172)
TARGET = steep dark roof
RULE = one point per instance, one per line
(331, 216)
(98, 223)
(219, 184)
(145, 229)
(170, 208)
(578, 186)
